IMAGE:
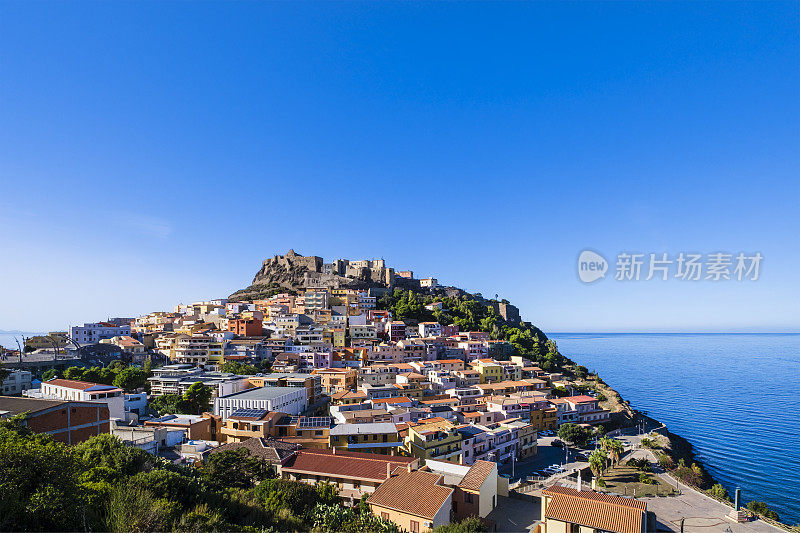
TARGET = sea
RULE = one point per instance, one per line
(734, 397)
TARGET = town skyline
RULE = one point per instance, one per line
(489, 163)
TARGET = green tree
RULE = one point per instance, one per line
(597, 462)
(74, 372)
(49, 374)
(196, 399)
(39, 487)
(167, 404)
(614, 448)
(130, 378)
(719, 492)
(236, 468)
(132, 509)
(235, 367)
(573, 434)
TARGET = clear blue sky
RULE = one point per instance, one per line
(154, 153)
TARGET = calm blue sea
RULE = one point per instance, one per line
(9, 340)
(733, 396)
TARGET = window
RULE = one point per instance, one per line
(414, 526)
(385, 516)
(468, 497)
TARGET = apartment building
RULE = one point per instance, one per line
(374, 437)
(429, 329)
(438, 440)
(91, 333)
(337, 379)
(246, 327)
(290, 400)
(310, 382)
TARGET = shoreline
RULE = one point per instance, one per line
(678, 447)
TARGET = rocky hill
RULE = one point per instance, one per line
(294, 272)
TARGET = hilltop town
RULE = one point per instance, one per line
(414, 403)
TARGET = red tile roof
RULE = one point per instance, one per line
(343, 464)
(595, 510)
(416, 493)
(476, 475)
(79, 385)
(401, 399)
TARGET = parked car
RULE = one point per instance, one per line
(557, 443)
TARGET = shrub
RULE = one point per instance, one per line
(719, 492)
(647, 480)
(762, 509)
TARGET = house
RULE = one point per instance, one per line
(307, 431)
(67, 421)
(527, 437)
(476, 487)
(355, 474)
(84, 391)
(429, 329)
(348, 397)
(150, 439)
(374, 437)
(396, 330)
(244, 424)
(291, 400)
(544, 418)
(417, 501)
(275, 452)
(196, 427)
(588, 409)
(567, 510)
(337, 379)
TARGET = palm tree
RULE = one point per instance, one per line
(597, 462)
(616, 449)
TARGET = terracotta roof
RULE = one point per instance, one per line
(476, 475)
(416, 493)
(595, 510)
(81, 385)
(401, 399)
(352, 465)
(580, 399)
(274, 451)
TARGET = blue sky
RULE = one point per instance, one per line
(154, 153)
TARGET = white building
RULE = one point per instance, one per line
(16, 382)
(95, 332)
(430, 329)
(69, 389)
(290, 400)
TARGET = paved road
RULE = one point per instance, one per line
(513, 515)
(700, 513)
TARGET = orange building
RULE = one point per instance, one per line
(246, 327)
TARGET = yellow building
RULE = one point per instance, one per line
(543, 419)
(489, 370)
(435, 440)
(372, 437)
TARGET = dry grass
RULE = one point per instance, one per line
(625, 480)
